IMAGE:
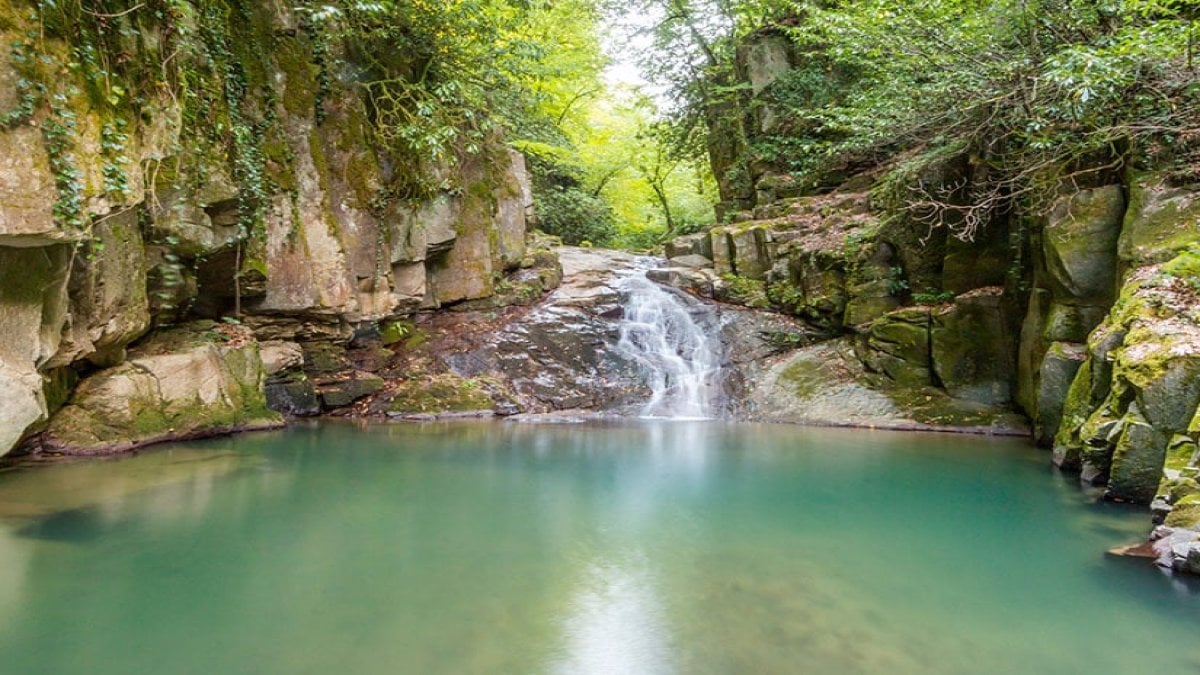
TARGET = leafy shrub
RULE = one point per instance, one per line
(575, 216)
(938, 298)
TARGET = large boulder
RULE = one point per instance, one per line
(1162, 220)
(198, 380)
(1079, 245)
(972, 354)
(1058, 370)
(898, 346)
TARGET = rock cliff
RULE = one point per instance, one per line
(187, 162)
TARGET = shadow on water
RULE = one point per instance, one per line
(88, 500)
(72, 526)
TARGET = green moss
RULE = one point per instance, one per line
(1160, 220)
(803, 380)
(438, 394)
(149, 421)
(748, 292)
(58, 385)
(392, 332)
(1184, 266)
(1185, 513)
(280, 160)
(322, 358)
(361, 168)
(300, 91)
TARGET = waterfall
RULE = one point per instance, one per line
(674, 341)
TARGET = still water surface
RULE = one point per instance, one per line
(639, 548)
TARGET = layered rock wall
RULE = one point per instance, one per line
(202, 160)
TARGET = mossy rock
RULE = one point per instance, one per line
(1185, 513)
(439, 394)
(1181, 468)
(1056, 375)
(1137, 462)
(1031, 350)
(182, 383)
(342, 392)
(1072, 323)
(751, 251)
(1161, 220)
(393, 332)
(1079, 244)
(324, 358)
(972, 355)
(868, 302)
(898, 346)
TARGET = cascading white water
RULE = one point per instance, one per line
(674, 340)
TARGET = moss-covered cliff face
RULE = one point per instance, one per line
(211, 158)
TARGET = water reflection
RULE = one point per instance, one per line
(179, 479)
(616, 622)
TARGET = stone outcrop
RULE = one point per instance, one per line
(1135, 398)
(1075, 282)
(195, 380)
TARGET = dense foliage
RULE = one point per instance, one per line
(1035, 91)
